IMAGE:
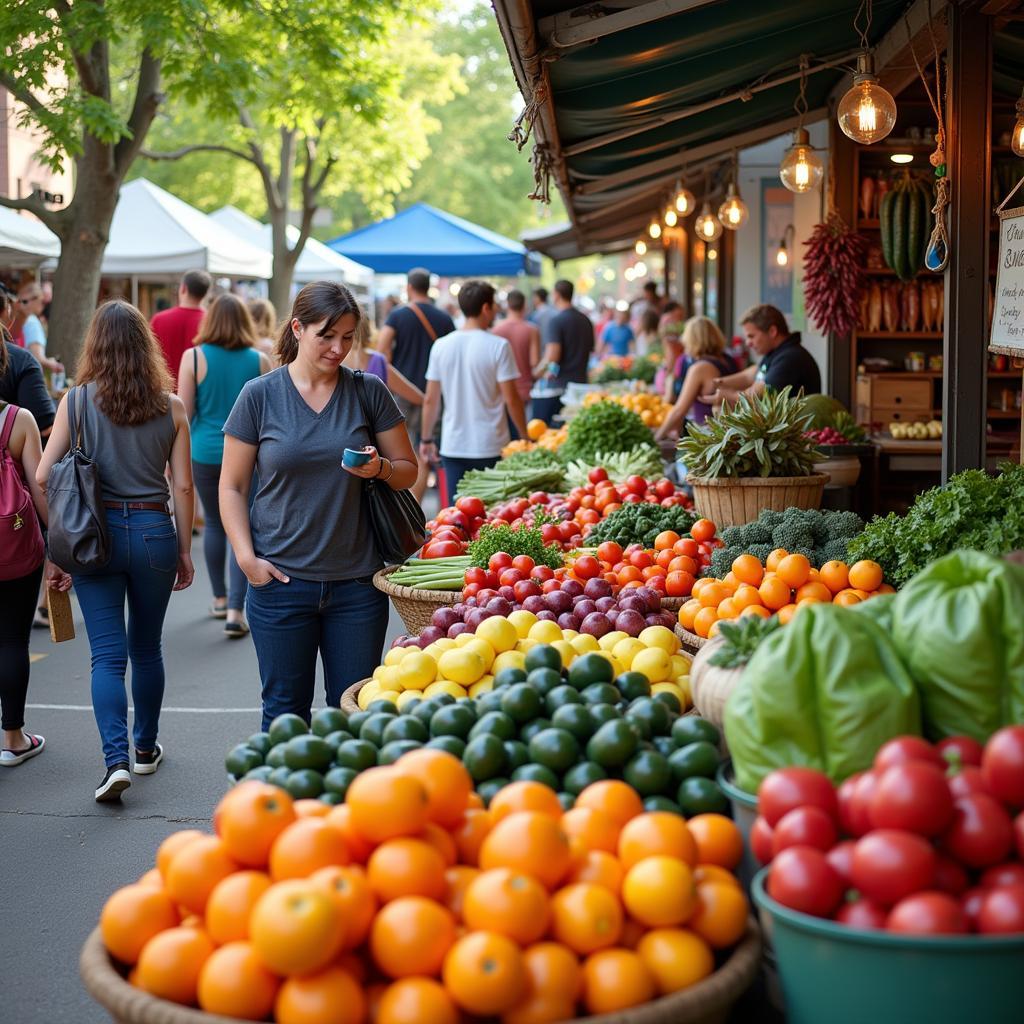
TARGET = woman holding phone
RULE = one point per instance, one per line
(306, 546)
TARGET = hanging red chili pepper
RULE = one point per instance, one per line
(834, 275)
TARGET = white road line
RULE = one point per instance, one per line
(184, 711)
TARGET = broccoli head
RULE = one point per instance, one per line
(833, 551)
(843, 524)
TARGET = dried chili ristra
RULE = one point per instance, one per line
(833, 275)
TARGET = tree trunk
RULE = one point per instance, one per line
(284, 263)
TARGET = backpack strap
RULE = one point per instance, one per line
(9, 414)
(422, 317)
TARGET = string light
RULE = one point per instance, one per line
(782, 253)
(1017, 141)
(654, 229)
(733, 213)
(707, 225)
(801, 170)
(867, 113)
(712, 255)
(671, 218)
(685, 202)
(641, 247)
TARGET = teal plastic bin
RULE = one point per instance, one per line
(744, 811)
(831, 974)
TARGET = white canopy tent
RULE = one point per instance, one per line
(24, 241)
(316, 262)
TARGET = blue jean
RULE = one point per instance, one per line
(546, 409)
(455, 468)
(216, 549)
(142, 568)
(344, 621)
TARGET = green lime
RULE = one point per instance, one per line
(242, 759)
(542, 656)
(661, 803)
(700, 796)
(695, 760)
(336, 738)
(574, 718)
(308, 752)
(648, 772)
(443, 699)
(305, 784)
(355, 721)
(337, 780)
(521, 702)
(328, 720)
(424, 711)
(509, 676)
(489, 789)
(488, 701)
(632, 685)
(670, 700)
(260, 742)
(275, 756)
(654, 713)
(544, 680)
(494, 723)
(405, 727)
(567, 800)
(599, 693)
(516, 754)
(528, 731)
(601, 713)
(450, 744)
(261, 773)
(372, 730)
(692, 728)
(279, 777)
(331, 799)
(284, 727)
(453, 720)
(380, 706)
(590, 668)
(581, 775)
(613, 744)
(560, 696)
(356, 754)
(663, 745)
(536, 773)
(484, 757)
(392, 751)
(554, 748)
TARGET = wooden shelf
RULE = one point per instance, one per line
(871, 223)
(1003, 414)
(903, 374)
(902, 335)
(1005, 374)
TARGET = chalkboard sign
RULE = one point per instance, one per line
(1007, 337)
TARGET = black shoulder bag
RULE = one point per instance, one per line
(78, 538)
(396, 519)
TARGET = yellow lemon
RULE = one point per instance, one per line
(609, 640)
(378, 671)
(485, 685)
(444, 644)
(525, 644)
(626, 650)
(445, 686)
(416, 671)
(407, 697)
(484, 649)
(544, 631)
(390, 695)
(391, 679)
(508, 659)
(672, 688)
(464, 638)
(433, 650)
(680, 665)
(653, 663)
(522, 620)
(396, 654)
(460, 666)
(584, 643)
(566, 650)
(569, 634)
(660, 636)
(501, 634)
(367, 693)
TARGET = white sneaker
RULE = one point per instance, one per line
(147, 764)
(114, 783)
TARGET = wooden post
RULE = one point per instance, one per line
(968, 152)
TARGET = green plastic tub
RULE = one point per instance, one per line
(744, 811)
(831, 974)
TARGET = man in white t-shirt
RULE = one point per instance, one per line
(475, 372)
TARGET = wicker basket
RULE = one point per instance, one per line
(673, 604)
(689, 640)
(414, 606)
(350, 695)
(710, 684)
(733, 501)
(707, 1002)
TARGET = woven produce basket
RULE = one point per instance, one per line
(707, 1002)
(349, 696)
(734, 501)
(414, 606)
(689, 640)
(673, 604)
(711, 685)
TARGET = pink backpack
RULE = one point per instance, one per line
(21, 540)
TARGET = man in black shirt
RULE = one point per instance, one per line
(569, 342)
(23, 383)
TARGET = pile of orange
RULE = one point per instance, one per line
(411, 903)
(778, 587)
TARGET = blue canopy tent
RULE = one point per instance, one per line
(444, 244)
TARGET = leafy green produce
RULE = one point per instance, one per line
(499, 483)
(641, 460)
(432, 573)
(741, 638)
(524, 540)
(532, 458)
(640, 524)
(603, 427)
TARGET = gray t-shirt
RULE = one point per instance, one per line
(308, 517)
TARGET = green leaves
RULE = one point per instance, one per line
(741, 638)
(604, 427)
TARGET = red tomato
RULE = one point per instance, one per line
(474, 574)
(1002, 911)
(1002, 875)
(641, 559)
(549, 585)
(669, 502)
(470, 590)
(549, 533)
(499, 560)
(927, 913)
(959, 750)
(510, 577)
(519, 506)
(587, 567)
(702, 530)
(970, 903)
(849, 822)
(687, 546)
(889, 864)
(862, 914)
(1003, 765)
(664, 488)
(447, 533)
(804, 826)
(597, 474)
(453, 517)
(636, 485)
(949, 876)
(841, 858)
(471, 506)
(442, 549)
(610, 552)
(761, 840)
(543, 573)
(632, 499)
(967, 780)
(861, 801)
(907, 748)
(679, 584)
(788, 788)
(1018, 834)
(981, 833)
(914, 796)
(801, 878)
(524, 589)
(486, 594)
(524, 563)
(539, 498)
(567, 530)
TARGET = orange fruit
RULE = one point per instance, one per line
(507, 902)
(816, 592)
(632, 933)
(340, 819)
(774, 593)
(618, 800)
(794, 570)
(586, 917)
(746, 596)
(530, 842)
(701, 583)
(665, 540)
(442, 841)
(659, 891)
(713, 594)
(847, 598)
(835, 575)
(406, 867)
(771, 563)
(411, 936)
(726, 610)
(195, 870)
(386, 804)
(755, 609)
(538, 1008)
(456, 881)
(332, 996)
(720, 917)
(231, 903)
(152, 878)
(713, 873)
(305, 846)
(656, 833)
(524, 796)
(703, 621)
(748, 569)
(470, 833)
(251, 818)
(731, 582)
(485, 974)
(310, 808)
(688, 612)
(234, 982)
(885, 588)
(296, 927)
(416, 1001)
(445, 779)
(786, 613)
(554, 971)
(865, 575)
(718, 840)
(170, 962)
(355, 899)
(175, 842)
(474, 800)
(599, 867)
(595, 829)
(676, 958)
(614, 980)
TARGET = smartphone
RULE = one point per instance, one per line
(354, 457)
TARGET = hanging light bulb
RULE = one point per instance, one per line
(801, 170)
(712, 255)
(782, 256)
(733, 213)
(654, 229)
(685, 202)
(1017, 141)
(671, 217)
(641, 247)
(707, 225)
(867, 113)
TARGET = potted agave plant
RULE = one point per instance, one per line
(752, 456)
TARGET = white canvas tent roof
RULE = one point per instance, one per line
(156, 234)
(25, 241)
(316, 263)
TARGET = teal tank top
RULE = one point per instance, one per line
(226, 374)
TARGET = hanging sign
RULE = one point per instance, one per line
(1007, 332)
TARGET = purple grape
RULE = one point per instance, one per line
(568, 621)
(597, 587)
(630, 622)
(500, 605)
(457, 630)
(605, 604)
(584, 607)
(558, 601)
(444, 617)
(535, 603)
(432, 633)
(547, 616)
(596, 624)
(572, 587)
(507, 593)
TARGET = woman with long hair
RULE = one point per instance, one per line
(264, 322)
(211, 376)
(132, 427)
(306, 545)
(362, 357)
